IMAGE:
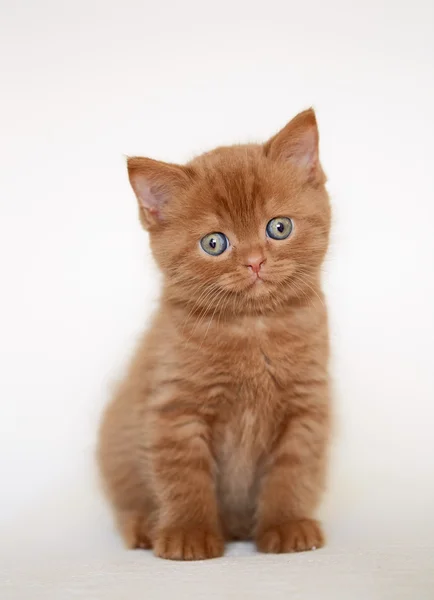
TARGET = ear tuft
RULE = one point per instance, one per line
(297, 143)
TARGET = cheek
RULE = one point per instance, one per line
(310, 246)
(172, 251)
(216, 269)
(284, 257)
(278, 252)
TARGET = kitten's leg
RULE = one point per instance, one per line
(124, 471)
(293, 483)
(134, 528)
(182, 466)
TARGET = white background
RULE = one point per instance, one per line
(82, 84)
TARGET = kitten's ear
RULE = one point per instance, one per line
(155, 183)
(297, 143)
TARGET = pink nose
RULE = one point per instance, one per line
(255, 263)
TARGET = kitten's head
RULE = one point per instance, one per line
(242, 228)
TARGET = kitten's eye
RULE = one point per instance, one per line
(214, 243)
(279, 228)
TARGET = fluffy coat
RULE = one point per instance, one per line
(220, 428)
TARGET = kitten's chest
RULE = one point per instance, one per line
(253, 408)
(241, 444)
(250, 422)
(243, 439)
(259, 358)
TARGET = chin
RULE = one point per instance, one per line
(260, 287)
(260, 292)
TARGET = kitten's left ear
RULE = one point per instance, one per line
(297, 143)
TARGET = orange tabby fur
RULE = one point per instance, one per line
(220, 428)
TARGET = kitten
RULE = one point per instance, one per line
(220, 428)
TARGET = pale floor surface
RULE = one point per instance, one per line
(365, 572)
(379, 548)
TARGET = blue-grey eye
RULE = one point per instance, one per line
(279, 228)
(214, 243)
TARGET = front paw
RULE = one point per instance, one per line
(194, 543)
(292, 536)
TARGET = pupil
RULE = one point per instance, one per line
(212, 243)
(280, 227)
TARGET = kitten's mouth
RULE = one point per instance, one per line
(258, 284)
(259, 279)
(256, 280)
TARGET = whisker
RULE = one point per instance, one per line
(212, 316)
(203, 312)
(312, 289)
(203, 295)
(225, 304)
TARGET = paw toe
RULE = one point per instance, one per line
(293, 536)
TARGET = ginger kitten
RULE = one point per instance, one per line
(219, 430)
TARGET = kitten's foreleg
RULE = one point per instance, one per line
(294, 480)
(183, 474)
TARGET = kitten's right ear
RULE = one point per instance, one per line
(155, 183)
